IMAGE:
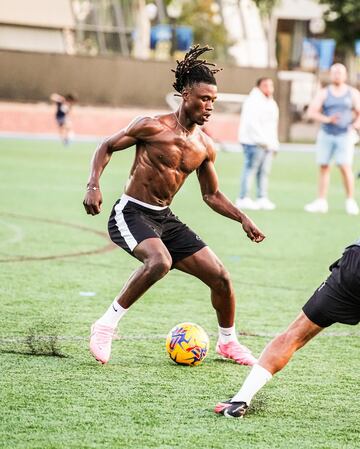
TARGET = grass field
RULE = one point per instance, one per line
(141, 399)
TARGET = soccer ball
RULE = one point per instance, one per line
(187, 344)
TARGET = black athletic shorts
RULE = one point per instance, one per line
(337, 300)
(132, 221)
(61, 121)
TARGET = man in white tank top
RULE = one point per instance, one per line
(337, 108)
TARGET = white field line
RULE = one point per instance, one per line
(77, 338)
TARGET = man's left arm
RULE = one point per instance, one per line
(219, 202)
(276, 114)
(356, 105)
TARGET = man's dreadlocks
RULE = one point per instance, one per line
(191, 70)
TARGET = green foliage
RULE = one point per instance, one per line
(208, 28)
(343, 22)
(266, 6)
(141, 399)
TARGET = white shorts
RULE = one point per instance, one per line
(338, 147)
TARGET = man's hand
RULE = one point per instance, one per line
(252, 231)
(333, 119)
(92, 201)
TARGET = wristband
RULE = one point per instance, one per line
(92, 188)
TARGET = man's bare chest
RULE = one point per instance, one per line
(180, 154)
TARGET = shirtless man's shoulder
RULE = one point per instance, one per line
(208, 143)
(143, 126)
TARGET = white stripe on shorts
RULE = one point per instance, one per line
(149, 206)
(121, 224)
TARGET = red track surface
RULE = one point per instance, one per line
(39, 118)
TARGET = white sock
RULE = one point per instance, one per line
(257, 378)
(113, 315)
(227, 334)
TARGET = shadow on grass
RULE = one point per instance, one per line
(259, 405)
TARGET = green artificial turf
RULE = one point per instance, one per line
(141, 399)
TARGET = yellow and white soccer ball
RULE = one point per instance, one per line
(187, 344)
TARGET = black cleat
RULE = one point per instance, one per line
(231, 409)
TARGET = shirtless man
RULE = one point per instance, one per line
(168, 148)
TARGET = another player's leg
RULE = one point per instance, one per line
(274, 358)
(324, 154)
(156, 264)
(344, 159)
(66, 138)
(61, 130)
(320, 204)
(351, 205)
(262, 180)
(208, 268)
(244, 201)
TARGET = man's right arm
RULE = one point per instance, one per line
(315, 107)
(120, 141)
(56, 98)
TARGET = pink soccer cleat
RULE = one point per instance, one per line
(237, 352)
(231, 409)
(100, 342)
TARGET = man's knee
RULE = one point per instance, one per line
(222, 282)
(292, 337)
(285, 339)
(158, 265)
(345, 168)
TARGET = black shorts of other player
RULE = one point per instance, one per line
(61, 111)
(337, 300)
(130, 223)
(61, 121)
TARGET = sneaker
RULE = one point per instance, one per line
(237, 352)
(231, 409)
(351, 207)
(100, 342)
(246, 203)
(320, 205)
(265, 204)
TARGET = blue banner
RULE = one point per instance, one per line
(357, 47)
(325, 49)
(163, 32)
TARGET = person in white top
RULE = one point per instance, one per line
(258, 135)
(337, 108)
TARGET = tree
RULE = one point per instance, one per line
(204, 17)
(266, 6)
(343, 22)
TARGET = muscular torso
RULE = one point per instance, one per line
(164, 158)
